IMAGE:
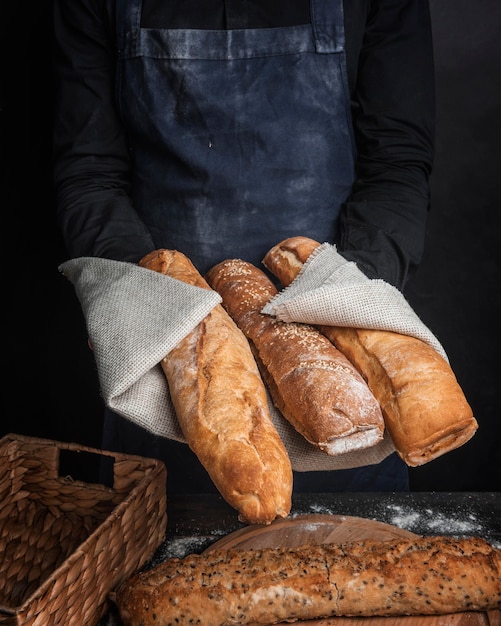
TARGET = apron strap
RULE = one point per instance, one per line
(327, 18)
(127, 21)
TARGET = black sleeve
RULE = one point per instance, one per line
(382, 225)
(91, 160)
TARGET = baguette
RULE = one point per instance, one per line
(415, 576)
(314, 386)
(222, 407)
(424, 407)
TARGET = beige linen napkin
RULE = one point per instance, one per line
(332, 291)
(134, 317)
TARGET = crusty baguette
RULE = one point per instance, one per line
(421, 576)
(424, 407)
(314, 386)
(222, 407)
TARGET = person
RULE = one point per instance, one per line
(221, 128)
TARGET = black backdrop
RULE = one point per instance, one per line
(51, 387)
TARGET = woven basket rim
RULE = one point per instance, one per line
(74, 446)
(154, 468)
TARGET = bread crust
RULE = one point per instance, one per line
(222, 407)
(421, 576)
(424, 408)
(314, 386)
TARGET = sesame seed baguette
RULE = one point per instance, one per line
(415, 576)
(222, 407)
(314, 386)
(424, 407)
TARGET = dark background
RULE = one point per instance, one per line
(51, 387)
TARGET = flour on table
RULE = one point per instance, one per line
(182, 546)
(429, 521)
(460, 521)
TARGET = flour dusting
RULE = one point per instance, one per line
(428, 520)
(182, 546)
(456, 520)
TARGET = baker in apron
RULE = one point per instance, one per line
(239, 139)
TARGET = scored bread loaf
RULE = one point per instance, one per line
(222, 407)
(424, 408)
(421, 576)
(314, 386)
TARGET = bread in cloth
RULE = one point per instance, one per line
(424, 407)
(313, 385)
(414, 576)
(222, 407)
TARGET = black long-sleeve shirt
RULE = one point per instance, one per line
(390, 73)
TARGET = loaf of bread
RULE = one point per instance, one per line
(421, 576)
(314, 386)
(424, 408)
(222, 407)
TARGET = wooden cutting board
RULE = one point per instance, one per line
(319, 528)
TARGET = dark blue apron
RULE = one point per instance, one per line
(239, 138)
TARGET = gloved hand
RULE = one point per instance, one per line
(332, 291)
(134, 317)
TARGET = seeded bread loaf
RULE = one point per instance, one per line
(314, 386)
(415, 576)
(424, 408)
(222, 407)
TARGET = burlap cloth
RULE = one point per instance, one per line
(135, 316)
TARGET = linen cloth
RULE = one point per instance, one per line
(134, 317)
(329, 290)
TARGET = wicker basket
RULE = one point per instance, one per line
(66, 544)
